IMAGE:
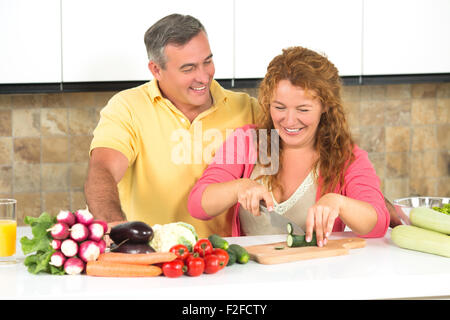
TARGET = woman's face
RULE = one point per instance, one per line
(295, 114)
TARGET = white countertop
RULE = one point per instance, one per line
(379, 271)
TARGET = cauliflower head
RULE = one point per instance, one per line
(167, 235)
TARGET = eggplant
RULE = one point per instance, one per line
(132, 248)
(131, 232)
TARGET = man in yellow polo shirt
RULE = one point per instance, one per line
(153, 142)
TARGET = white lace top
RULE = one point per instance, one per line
(295, 209)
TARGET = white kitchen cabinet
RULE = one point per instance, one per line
(406, 37)
(54, 41)
(264, 27)
(30, 41)
(104, 39)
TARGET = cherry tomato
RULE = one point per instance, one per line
(213, 263)
(223, 256)
(195, 266)
(173, 269)
(181, 251)
(203, 247)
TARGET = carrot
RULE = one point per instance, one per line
(137, 258)
(113, 269)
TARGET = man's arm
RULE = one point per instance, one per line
(106, 169)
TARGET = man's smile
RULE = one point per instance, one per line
(199, 88)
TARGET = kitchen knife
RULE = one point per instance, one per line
(280, 221)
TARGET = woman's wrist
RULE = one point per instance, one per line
(239, 186)
(334, 200)
(358, 215)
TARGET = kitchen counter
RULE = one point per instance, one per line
(378, 271)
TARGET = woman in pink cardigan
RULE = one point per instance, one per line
(317, 177)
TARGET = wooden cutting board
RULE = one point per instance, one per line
(268, 254)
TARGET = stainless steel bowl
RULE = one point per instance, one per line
(404, 205)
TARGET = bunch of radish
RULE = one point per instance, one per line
(77, 238)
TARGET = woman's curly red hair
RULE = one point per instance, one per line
(315, 74)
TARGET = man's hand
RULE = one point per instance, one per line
(112, 224)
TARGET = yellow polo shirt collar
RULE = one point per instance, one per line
(216, 91)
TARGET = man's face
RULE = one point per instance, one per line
(188, 73)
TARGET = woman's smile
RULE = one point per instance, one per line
(295, 114)
(292, 131)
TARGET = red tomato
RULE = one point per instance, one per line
(203, 247)
(191, 256)
(181, 251)
(195, 266)
(223, 256)
(212, 263)
(173, 269)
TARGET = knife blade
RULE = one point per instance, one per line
(280, 221)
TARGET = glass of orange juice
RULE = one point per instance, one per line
(8, 230)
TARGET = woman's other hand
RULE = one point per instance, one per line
(321, 217)
(250, 193)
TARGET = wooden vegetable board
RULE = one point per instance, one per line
(268, 254)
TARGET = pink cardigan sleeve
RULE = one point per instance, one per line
(362, 183)
(229, 163)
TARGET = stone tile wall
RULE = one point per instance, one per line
(44, 143)
(45, 138)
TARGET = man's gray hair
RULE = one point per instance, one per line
(173, 29)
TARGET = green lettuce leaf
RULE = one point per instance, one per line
(38, 262)
(41, 237)
(40, 245)
(34, 244)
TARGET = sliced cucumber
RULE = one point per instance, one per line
(294, 240)
(290, 228)
(419, 239)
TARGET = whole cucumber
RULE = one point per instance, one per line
(242, 255)
(131, 232)
(218, 242)
(231, 257)
(418, 239)
(430, 219)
